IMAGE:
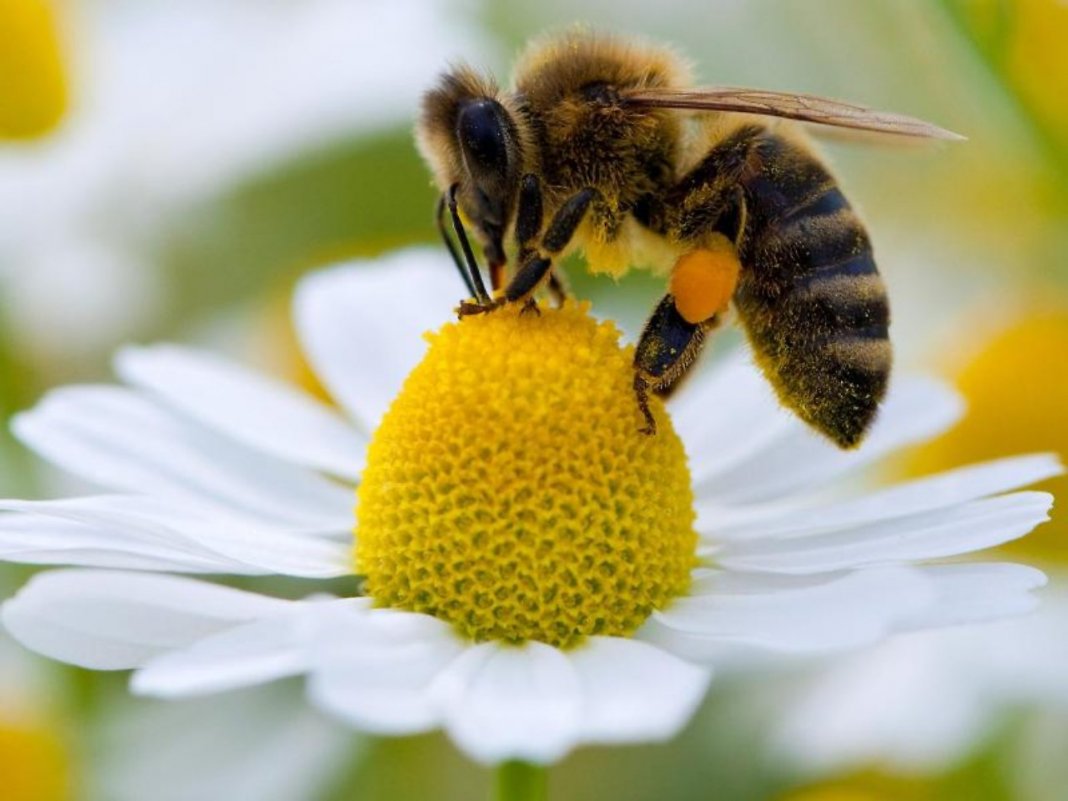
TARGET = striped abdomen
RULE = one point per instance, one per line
(810, 296)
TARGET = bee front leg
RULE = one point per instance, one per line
(537, 261)
(528, 226)
(528, 216)
(526, 279)
(668, 347)
(557, 236)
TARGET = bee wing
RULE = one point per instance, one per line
(807, 108)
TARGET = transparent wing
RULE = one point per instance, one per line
(806, 108)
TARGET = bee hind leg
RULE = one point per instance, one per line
(668, 347)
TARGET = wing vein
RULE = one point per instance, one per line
(802, 107)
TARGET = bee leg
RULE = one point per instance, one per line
(527, 278)
(527, 227)
(641, 392)
(468, 309)
(557, 288)
(539, 261)
(496, 273)
(528, 222)
(810, 297)
(528, 214)
(668, 347)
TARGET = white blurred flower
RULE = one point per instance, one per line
(173, 102)
(217, 470)
(263, 743)
(925, 701)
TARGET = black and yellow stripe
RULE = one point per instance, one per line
(810, 296)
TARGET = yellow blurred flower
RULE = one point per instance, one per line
(1024, 41)
(866, 787)
(1036, 59)
(33, 86)
(34, 763)
(1016, 388)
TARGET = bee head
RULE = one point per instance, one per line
(471, 140)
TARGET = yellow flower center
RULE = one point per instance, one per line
(510, 491)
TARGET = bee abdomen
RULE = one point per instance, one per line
(811, 297)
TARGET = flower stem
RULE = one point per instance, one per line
(521, 781)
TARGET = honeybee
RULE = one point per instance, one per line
(603, 146)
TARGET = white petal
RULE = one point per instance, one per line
(117, 438)
(245, 655)
(914, 703)
(108, 529)
(264, 743)
(799, 459)
(726, 414)
(957, 530)
(393, 672)
(967, 593)
(633, 691)
(361, 324)
(795, 614)
(238, 403)
(933, 492)
(375, 670)
(42, 540)
(113, 620)
(512, 702)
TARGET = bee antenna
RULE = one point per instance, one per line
(472, 275)
(439, 217)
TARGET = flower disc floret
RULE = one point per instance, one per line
(510, 491)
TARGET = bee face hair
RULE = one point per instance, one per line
(471, 137)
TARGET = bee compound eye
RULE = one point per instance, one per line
(483, 134)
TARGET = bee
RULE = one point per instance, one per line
(603, 145)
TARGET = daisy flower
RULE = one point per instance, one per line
(533, 573)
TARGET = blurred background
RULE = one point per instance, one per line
(168, 170)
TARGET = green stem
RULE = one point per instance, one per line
(17, 476)
(521, 781)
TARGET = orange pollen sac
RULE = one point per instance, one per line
(703, 282)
